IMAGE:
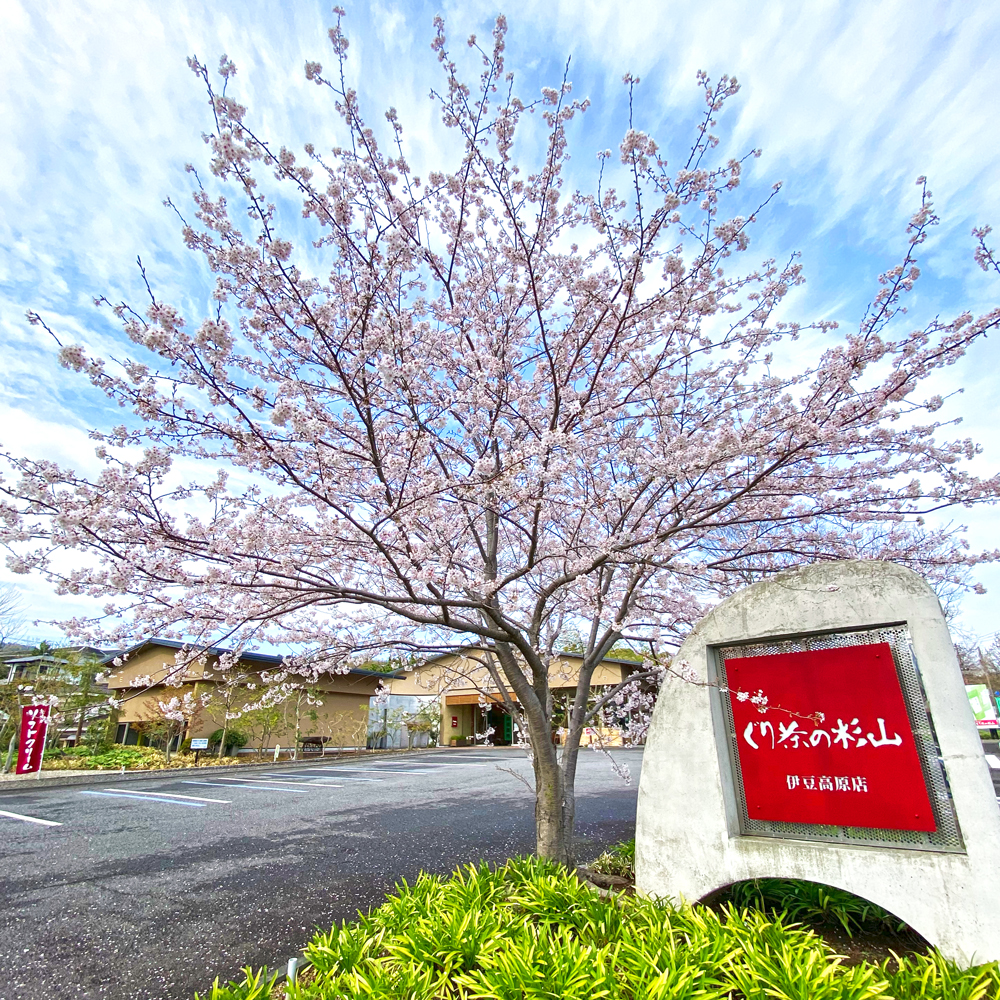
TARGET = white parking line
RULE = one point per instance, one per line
(426, 765)
(252, 788)
(287, 777)
(286, 781)
(149, 798)
(349, 777)
(378, 770)
(29, 819)
(469, 757)
(434, 764)
(169, 795)
(241, 781)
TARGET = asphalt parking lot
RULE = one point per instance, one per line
(152, 888)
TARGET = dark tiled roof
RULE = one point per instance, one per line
(263, 659)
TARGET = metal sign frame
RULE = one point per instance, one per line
(946, 838)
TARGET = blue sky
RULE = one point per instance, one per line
(850, 102)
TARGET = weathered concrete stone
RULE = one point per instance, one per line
(688, 839)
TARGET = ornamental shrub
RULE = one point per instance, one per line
(129, 757)
(617, 860)
(115, 757)
(815, 904)
(531, 930)
(234, 739)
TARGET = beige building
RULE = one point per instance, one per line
(335, 714)
(462, 682)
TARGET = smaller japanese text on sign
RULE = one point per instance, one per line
(34, 724)
(823, 737)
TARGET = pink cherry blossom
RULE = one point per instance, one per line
(483, 407)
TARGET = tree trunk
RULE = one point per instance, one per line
(85, 695)
(12, 746)
(985, 666)
(553, 836)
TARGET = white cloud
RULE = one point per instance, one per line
(98, 114)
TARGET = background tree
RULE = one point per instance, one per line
(980, 663)
(84, 697)
(301, 713)
(484, 406)
(12, 615)
(427, 719)
(261, 719)
(64, 678)
(228, 697)
(383, 722)
(166, 721)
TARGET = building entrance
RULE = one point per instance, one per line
(503, 728)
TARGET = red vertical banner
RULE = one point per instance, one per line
(34, 726)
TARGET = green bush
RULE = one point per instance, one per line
(66, 753)
(254, 986)
(97, 736)
(618, 860)
(815, 904)
(116, 756)
(234, 739)
(531, 930)
(128, 757)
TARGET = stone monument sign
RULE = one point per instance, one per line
(823, 732)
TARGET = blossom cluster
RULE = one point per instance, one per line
(481, 405)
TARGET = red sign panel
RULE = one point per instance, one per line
(34, 723)
(823, 737)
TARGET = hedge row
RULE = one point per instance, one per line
(533, 930)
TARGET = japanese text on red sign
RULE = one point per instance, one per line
(34, 724)
(825, 738)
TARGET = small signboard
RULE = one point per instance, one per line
(199, 744)
(982, 706)
(34, 726)
(823, 737)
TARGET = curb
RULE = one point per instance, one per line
(53, 779)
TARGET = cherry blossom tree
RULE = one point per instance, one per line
(228, 697)
(167, 720)
(481, 407)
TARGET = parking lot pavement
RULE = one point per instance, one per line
(152, 889)
(992, 749)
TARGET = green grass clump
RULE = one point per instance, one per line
(815, 904)
(532, 931)
(132, 758)
(618, 860)
(117, 756)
